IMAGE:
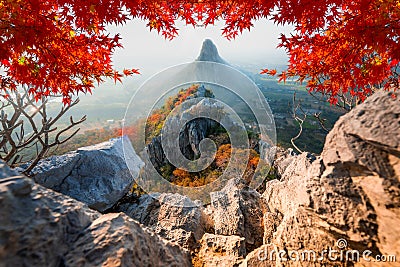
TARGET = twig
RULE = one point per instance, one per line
(44, 134)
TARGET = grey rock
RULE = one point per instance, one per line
(6, 172)
(40, 227)
(238, 210)
(37, 226)
(155, 153)
(189, 136)
(98, 175)
(219, 250)
(115, 240)
(278, 157)
(172, 216)
(209, 52)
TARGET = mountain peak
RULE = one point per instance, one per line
(209, 52)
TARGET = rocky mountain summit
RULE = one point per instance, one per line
(347, 199)
(209, 52)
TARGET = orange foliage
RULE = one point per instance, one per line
(221, 161)
(223, 155)
(62, 47)
(181, 174)
(155, 121)
(183, 95)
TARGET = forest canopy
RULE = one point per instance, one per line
(62, 47)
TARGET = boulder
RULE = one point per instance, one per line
(40, 227)
(219, 250)
(365, 145)
(238, 210)
(172, 216)
(37, 225)
(366, 142)
(97, 175)
(116, 240)
(312, 212)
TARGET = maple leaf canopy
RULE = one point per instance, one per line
(61, 47)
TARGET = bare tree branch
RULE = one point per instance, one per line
(321, 121)
(300, 120)
(30, 126)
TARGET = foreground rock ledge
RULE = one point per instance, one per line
(350, 193)
(172, 216)
(40, 227)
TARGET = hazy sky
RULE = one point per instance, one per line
(150, 52)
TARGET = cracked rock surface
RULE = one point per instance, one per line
(97, 175)
(40, 227)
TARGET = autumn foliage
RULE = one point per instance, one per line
(222, 158)
(343, 47)
(155, 121)
(62, 47)
(57, 47)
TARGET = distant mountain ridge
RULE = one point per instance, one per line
(209, 52)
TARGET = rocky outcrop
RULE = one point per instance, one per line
(279, 157)
(209, 52)
(40, 227)
(172, 216)
(219, 250)
(367, 142)
(98, 175)
(189, 141)
(365, 145)
(238, 210)
(345, 200)
(201, 116)
(190, 134)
